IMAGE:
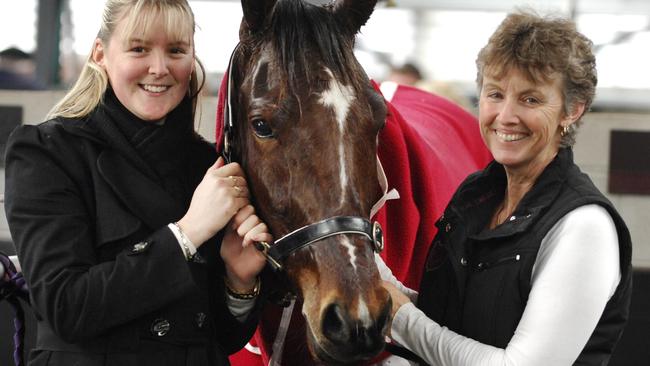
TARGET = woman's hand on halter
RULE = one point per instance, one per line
(243, 261)
(221, 193)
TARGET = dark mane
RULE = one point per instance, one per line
(298, 29)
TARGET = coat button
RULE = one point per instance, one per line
(448, 227)
(463, 261)
(140, 247)
(512, 218)
(160, 327)
(197, 258)
(200, 319)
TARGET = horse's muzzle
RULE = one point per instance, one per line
(350, 340)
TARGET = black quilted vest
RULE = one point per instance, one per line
(476, 281)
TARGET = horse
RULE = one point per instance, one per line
(301, 116)
(313, 127)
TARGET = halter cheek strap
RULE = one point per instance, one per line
(228, 124)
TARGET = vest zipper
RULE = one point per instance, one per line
(485, 265)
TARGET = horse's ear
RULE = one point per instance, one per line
(356, 12)
(255, 13)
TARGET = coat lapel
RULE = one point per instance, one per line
(134, 182)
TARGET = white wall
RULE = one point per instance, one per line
(592, 155)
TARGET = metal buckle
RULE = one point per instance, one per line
(377, 237)
(264, 247)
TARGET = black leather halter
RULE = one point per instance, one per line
(228, 124)
(309, 234)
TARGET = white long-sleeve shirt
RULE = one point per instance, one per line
(576, 272)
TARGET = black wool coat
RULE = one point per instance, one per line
(108, 280)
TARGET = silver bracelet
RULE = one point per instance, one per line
(184, 242)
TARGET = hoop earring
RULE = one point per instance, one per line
(565, 131)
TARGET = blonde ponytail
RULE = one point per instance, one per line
(85, 94)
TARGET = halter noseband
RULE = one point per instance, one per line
(312, 233)
(276, 254)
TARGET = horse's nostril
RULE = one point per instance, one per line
(334, 324)
(353, 339)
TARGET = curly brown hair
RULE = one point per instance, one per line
(542, 47)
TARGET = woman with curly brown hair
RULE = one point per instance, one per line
(531, 263)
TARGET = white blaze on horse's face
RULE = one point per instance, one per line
(353, 257)
(364, 313)
(339, 97)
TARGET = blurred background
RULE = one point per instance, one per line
(441, 38)
(431, 44)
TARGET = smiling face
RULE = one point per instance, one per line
(150, 70)
(521, 120)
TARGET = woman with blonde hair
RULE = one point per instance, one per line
(133, 237)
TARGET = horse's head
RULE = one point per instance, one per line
(307, 120)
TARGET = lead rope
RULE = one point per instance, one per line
(13, 287)
(283, 328)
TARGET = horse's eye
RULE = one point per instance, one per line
(262, 129)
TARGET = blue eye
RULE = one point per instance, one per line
(262, 129)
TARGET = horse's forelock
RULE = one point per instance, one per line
(297, 25)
